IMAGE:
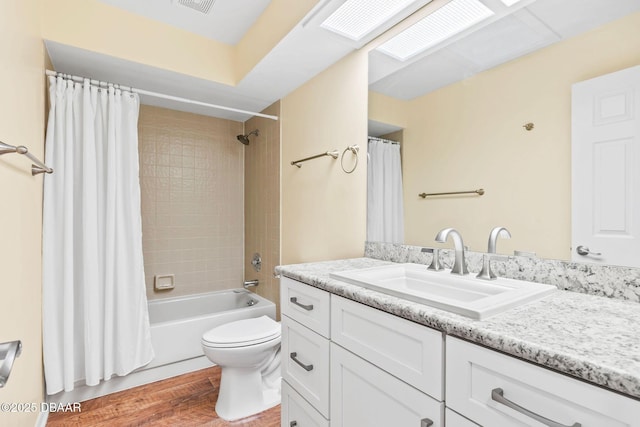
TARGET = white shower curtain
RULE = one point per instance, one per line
(95, 317)
(385, 213)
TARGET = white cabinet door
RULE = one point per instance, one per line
(605, 163)
(364, 395)
(407, 350)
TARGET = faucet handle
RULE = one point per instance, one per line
(487, 273)
(435, 259)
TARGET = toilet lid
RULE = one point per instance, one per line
(243, 332)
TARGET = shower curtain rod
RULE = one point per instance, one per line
(386, 141)
(159, 95)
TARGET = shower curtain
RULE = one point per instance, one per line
(385, 213)
(95, 317)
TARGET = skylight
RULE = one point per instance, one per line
(451, 19)
(357, 18)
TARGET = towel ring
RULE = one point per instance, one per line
(354, 149)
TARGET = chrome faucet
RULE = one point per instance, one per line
(493, 238)
(459, 265)
(486, 273)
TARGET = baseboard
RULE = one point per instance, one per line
(83, 392)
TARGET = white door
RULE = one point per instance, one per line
(606, 169)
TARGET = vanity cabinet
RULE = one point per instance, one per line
(347, 364)
(493, 389)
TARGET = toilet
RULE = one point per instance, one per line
(248, 351)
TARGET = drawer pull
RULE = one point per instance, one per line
(497, 394)
(307, 368)
(426, 422)
(308, 307)
(293, 424)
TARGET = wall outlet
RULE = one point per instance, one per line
(164, 282)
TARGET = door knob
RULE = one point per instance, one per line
(583, 250)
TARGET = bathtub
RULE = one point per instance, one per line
(177, 324)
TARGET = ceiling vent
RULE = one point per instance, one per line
(202, 6)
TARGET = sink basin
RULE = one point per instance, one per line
(465, 295)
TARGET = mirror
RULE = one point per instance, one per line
(461, 114)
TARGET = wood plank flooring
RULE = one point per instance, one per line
(186, 400)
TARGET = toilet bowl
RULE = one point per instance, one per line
(248, 351)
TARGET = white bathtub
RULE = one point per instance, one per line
(177, 324)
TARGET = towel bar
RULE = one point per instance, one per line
(333, 154)
(479, 192)
(39, 167)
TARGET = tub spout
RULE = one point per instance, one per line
(250, 283)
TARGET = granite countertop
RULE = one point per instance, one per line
(590, 337)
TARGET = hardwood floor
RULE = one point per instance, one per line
(186, 400)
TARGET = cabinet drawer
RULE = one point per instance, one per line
(365, 395)
(297, 412)
(305, 304)
(476, 374)
(453, 419)
(305, 363)
(411, 352)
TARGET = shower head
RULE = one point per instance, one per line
(245, 138)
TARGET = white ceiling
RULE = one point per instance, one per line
(538, 24)
(308, 49)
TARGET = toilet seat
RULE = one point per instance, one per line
(242, 333)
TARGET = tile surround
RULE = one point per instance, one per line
(192, 181)
(262, 203)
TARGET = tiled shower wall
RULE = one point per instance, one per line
(262, 202)
(192, 180)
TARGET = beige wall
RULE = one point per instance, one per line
(324, 209)
(22, 113)
(262, 203)
(99, 27)
(469, 135)
(385, 109)
(191, 175)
